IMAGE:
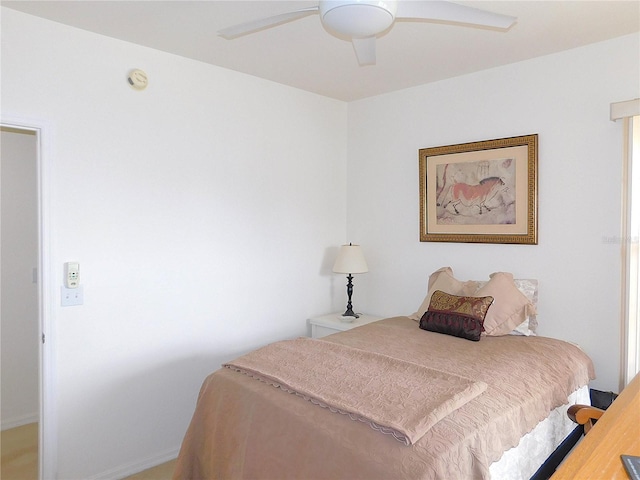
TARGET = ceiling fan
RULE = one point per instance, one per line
(362, 21)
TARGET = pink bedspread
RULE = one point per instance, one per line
(246, 429)
(393, 396)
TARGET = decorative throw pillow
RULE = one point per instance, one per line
(529, 288)
(511, 306)
(455, 315)
(443, 280)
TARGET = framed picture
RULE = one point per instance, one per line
(481, 192)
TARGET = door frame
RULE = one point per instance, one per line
(47, 424)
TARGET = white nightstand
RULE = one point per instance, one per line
(327, 324)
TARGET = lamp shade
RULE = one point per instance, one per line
(350, 260)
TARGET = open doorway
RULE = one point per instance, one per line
(20, 402)
(26, 301)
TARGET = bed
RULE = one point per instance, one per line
(393, 399)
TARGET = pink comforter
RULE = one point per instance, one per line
(246, 429)
(392, 396)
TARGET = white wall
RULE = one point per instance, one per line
(565, 99)
(19, 256)
(204, 211)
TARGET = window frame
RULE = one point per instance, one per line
(629, 113)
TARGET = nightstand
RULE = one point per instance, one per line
(327, 324)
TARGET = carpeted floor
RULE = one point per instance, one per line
(20, 457)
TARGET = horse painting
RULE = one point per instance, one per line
(462, 198)
(475, 195)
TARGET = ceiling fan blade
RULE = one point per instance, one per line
(365, 50)
(260, 24)
(452, 12)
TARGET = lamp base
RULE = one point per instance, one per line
(349, 313)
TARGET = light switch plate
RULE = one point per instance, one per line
(71, 296)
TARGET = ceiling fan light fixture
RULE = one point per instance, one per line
(359, 18)
(362, 21)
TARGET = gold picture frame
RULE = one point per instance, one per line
(480, 192)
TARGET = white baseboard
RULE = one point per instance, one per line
(19, 421)
(138, 466)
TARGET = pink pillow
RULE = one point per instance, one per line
(443, 280)
(510, 307)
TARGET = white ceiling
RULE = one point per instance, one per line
(304, 55)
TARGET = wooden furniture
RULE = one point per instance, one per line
(617, 432)
(327, 324)
(585, 415)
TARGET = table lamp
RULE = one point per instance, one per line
(350, 260)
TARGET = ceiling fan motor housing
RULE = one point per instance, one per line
(357, 18)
